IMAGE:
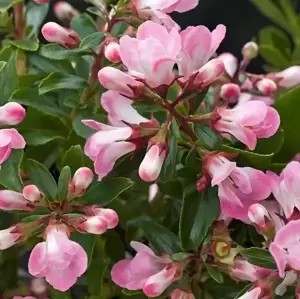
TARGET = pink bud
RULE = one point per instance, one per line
(11, 114)
(180, 294)
(210, 72)
(266, 86)
(32, 193)
(64, 11)
(250, 50)
(11, 200)
(41, 1)
(83, 177)
(112, 52)
(151, 165)
(110, 216)
(258, 215)
(230, 92)
(9, 237)
(55, 33)
(93, 225)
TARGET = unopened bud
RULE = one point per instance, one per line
(250, 50)
(83, 177)
(259, 216)
(202, 183)
(11, 200)
(112, 52)
(110, 216)
(32, 193)
(266, 86)
(9, 237)
(11, 114)
(93, 225)
(64, 11)
(230, 92)
(210, 72)
(55, 33)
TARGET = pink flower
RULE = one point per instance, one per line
(247, 122)
(107, 145)
(167, 6)
(286, 187)
(93, 225)
(180, 294)
(60, 260)
(230, 92)
(110, 216)
(64, 11)
(151, 165)
(11, 200)
(11, 114)
(55, 33)
(26, 297)
(245, 271)
(198, 45)
(10, 237)
(246, 97)
(253, 294)
(9, 139)
(82, 178)
(145, 271)
(230, 63)
(112, 52)
(289, 77)
(32, 194)
(239, 187)
(266, 86)
(285, 247)
(259, 215)
(152, 55)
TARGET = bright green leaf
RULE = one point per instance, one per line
(6, 4)
(273, 56)
(63, 183)
(259, 257)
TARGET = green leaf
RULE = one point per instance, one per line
(38, 137)
(2, 65)
(84, 25)
(56, 52)
(106, 191)
(197, 101)
(259, 257)
(170, 163)
(162, 239)
(73, 157)
(207, 137)
(192, 162)
(261, 161)
(214, 273)
(7, 4)
(10, 171)
(56, 81)
(119, 29)
(273, 143)
(95, 275)
(288, 106)
(92, 40)
(55, 294)
(63, 183)
(27, 45)
(29, 96)
(35, 14)
(87, 241)
(180, 256)
(199, 210)
(41, 177)
(273, 56)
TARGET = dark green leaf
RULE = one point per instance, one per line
(87, 241)
(215, 274)
(119, 28)
(196, 101)
(199, 210)
(192, 161)
(55, 294)
(207, 137)
(172, 188)
(63, 183)
(10, 171)
(180, 256)
(56, 52)
(41, 177)
(259, 257)
(92, 40)
(35, 14)
(30, 97)
(84, 25)
(106, 191)
(272, 144)
(27, 45)
(56, 81)
(175, 129)
(38, 137)
(170, 163)
(6, 4)
(73, 157)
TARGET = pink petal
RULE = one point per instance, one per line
(11, 200)
(217, 37)
(17, 141)
(153, 30)
(96, 125)
(80, 261)
(38, 260)
(139, 247)
(290, 77)
(253, 294)
(121, 274)
(61, 280)
(5, 152)
(182, 6)
(230, 62)
(280, 258)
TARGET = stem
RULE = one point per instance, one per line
(19, 21)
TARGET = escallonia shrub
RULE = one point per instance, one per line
(136, 162)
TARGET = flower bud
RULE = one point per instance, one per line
(32, 193)
(83, 177)
(153, 190)
(55, 33)
(288, 78)
(11, 114)
(9, 237)
(180, 294)
(266, 86)
(250, 50)
(93, 225)
(259, 216)
(151, 165)
(11, 200)
(110, 216)
(210, 72)
(112, 52)
(64, 11)
(230, 92)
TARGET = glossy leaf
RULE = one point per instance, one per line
(207, 137)
(215, 274)
(27, 45)
(169, 166)
(73, 157)
(259, 257)
(92, 40)
(63, 183)
(84, 25)
(56, 52)
(35, 14)
(38, 137)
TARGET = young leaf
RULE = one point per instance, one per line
(41, 177)
(106, 191)
(73, 158)
(63, 183)
(199, 210)
(259, 257)
(10, 171)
